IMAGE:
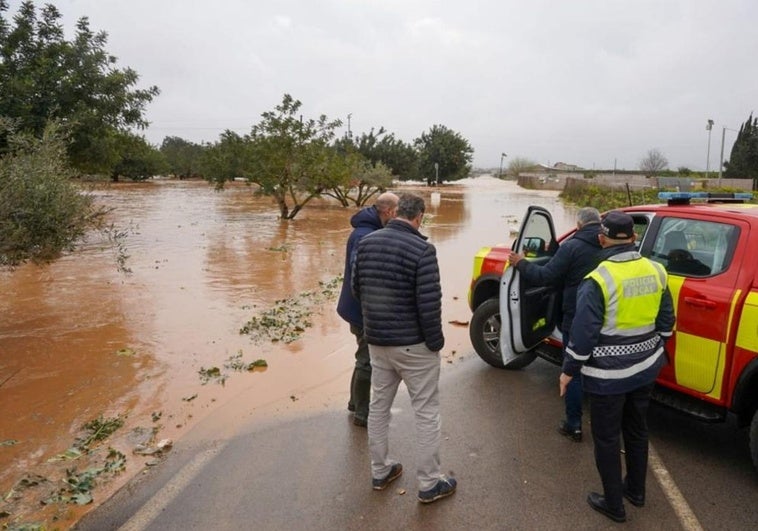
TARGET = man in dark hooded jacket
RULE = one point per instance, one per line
(566, 269)
(364, 222)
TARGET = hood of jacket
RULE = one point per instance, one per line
(367, 218)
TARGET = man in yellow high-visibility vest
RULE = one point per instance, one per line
(624, 314)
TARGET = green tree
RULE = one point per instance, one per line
(653, 163)
(379, 147)
(448, 150)
(44, 77)
(225, 160)
(42, 213)
(684, 171)
(289, 159)
(138, 159)
(358, 180)
(743, 160)
(183, 157)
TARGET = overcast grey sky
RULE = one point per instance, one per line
(587, 82)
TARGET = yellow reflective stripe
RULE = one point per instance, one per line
(632, 292)
(695, 361)
(479, 261)
(747, 333)
(716, 393)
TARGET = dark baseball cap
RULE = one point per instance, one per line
(618, 225)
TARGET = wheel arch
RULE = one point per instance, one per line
(745, 401)
(485, 287)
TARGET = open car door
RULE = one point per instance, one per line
(528, 313)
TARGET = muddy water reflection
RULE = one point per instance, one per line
(203, 262)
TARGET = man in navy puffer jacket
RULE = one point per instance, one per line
(396, 277)
(364, 222)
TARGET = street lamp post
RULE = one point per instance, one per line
(500, 174)
(708, 128)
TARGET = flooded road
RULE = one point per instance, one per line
(78, 339)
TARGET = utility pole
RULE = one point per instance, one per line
(349, 133)
(500, 173)
(708, 128)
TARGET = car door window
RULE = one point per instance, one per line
(694, 248)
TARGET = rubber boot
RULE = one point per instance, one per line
(361, 392)
(351, 403)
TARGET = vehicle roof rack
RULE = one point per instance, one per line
(684, 198)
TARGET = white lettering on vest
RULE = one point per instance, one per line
(637, 287)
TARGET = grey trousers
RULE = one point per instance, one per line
(419, 368)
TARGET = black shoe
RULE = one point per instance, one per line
(445, 487)
(575, 434)
(597, 502)
(359, 421)
(350, 407)
(638, 500)
(395, 472)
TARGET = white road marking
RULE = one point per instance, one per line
(682, 509)
(148, 512)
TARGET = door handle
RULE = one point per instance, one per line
(700, 303)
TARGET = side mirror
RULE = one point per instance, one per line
(534, 246)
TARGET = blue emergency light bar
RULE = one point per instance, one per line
(684, 198)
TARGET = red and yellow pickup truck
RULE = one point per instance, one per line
(709, 245)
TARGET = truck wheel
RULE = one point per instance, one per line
(484, 331)
(754, 439)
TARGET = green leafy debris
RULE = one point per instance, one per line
(211, 374)
(257, 363)
(99, 429)
(236, 363)
(9, 442)
(77, 486)
(69, 455)
(290, 317)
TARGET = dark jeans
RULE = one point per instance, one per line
(573, 396)
(612, 416)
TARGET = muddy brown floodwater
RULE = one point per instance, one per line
(79, 339)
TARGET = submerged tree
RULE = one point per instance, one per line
(379, 146)
(182, 156)
(45, 77)
(443, 155)
(290, 159)
(42, 213)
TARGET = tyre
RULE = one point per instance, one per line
(754, 439)
(484, 331)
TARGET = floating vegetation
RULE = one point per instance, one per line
(281, 249)
(289, 318)
(9, 442)
(211, 374)
(99, 429)
(236, 363)
(126, 352)
(78, 486)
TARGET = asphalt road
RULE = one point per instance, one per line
(499, 440)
